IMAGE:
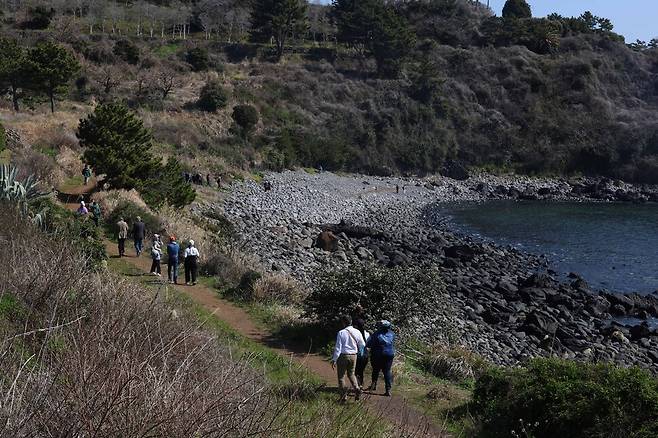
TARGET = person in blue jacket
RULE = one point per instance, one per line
(172, 259)
(382, 351)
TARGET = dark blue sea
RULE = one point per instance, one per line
(612, 246)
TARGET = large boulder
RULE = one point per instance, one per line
(455, 170)
(540, 324)
(327, 241)
(461, 252)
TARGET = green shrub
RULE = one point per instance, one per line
(129, 212)
(198, 59)
(127, 51)
(245, 117)
(568, 399)
(398, 294)
(213, 96)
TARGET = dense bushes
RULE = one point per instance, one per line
(126, 51)
(213, 96)
(398, 294)
(198, 59)
(245, 117)
(553, 397)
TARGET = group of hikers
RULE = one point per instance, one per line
(355, 347)
(190, 255)
(197, 178)
(94, 209)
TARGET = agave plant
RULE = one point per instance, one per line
(20, 192)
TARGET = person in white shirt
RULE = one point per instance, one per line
(191, 256)
(349, 343)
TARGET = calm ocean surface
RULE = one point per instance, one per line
(612, 246)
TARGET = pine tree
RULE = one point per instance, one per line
(15, 70)
(517, 9)
(278, 19)
(54, 68)
(117, 145)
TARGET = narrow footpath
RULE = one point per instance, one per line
(395, 409)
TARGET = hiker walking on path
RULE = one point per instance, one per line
(382, 352)
(82, 210)
(191, 262)
(122, 235)
(361, 360)
(96, 212)
(86, 173)
(172, 260)
(156, 255)
(349, 345)
(138, 235)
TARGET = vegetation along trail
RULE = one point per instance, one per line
(396, 409)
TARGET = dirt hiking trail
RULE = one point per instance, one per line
(395, 409)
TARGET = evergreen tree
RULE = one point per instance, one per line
(278, 19)
(517, 9)
(117, 145)
(245, 117)
(377, 28)
(15, 70)
(165, 185)
(54, 67)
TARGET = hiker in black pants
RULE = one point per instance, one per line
(138, 235)
(191, 263)
(361, 361)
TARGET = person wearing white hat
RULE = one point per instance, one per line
(82, 210)
(191, 263)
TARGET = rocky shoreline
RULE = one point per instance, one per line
(504, 304)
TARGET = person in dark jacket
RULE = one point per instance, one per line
(96, 212)
(361, 361)
(138, 235)
(382, 352)
(172, 260)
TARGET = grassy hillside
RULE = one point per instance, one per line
(558, 95)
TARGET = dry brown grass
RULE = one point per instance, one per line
(110, 199)
(69, 161)
(274, 288)
(46, 129)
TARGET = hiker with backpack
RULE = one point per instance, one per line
(122, 235)
(172, 260)
(382, 352)
(361, 361)
(138, 235)
(191, 263)
(349, 346)
(86, 173)
(96, 212)
(156, 255)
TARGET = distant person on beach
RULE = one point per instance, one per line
(138, 235)
(172, 260)
(122, 235)
(219, 181)
(361, 360)
(82, 209)
(349, 345)
(397, 188)
(191, 263)
(208, 179)
(156, 255)
(382, 352)
(86, 173)
(96, 212)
